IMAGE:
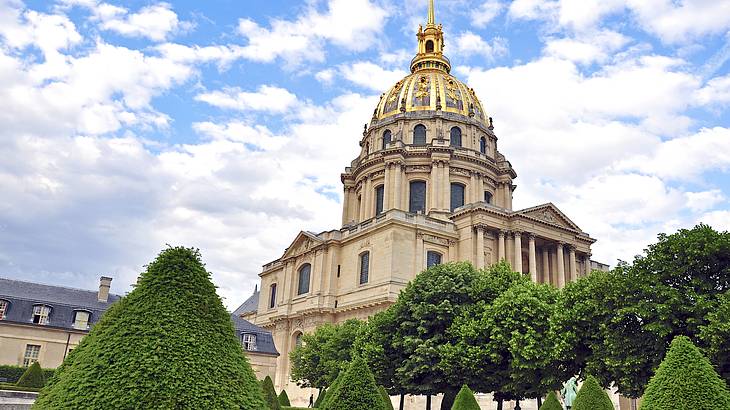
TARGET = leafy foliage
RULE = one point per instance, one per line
(592, 397)
(716, 337)
(168, 344)
(33, 377)
(328, 397)
(322, 354)
(320, 398)
(685, 380)
(356, 390)
(375, 345)
(386, 398)
(284, 399)
(272, 401)
(465, 400)
(12, 373)
(552, 402)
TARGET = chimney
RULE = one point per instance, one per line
(105, 284)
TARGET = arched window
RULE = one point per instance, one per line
(456, 137)
(298, 339)
(81, 320)
(483, 145)
(432, 258)
(304, 273)
(387, 138)
(429, 46)
(41, 314)
(419, 135)
(4, 305)
(487, 197)
(457, 196)
(364, 267)
(272, 295)
(417, 196)
(379, 192)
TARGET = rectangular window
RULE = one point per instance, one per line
(3, 309)
(379, 192)
(364, 267)
(40, 314)
(81, 321)
(432, 259)
(417, 197)
(249, 342)
(31, 355)
(457, 196)
(272, 296)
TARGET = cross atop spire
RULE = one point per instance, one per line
(431, 14)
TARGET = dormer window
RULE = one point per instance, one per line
(40, 314)
(248, 340)
(3, 309)
(81, 320)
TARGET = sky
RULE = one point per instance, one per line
(224, 125)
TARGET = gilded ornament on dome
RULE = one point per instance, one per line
(392, 102)
(453, 94)
(422, 92)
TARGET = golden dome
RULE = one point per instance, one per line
(430, 86)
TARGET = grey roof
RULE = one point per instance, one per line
(250, 305)
(264, 340)
(22, 296)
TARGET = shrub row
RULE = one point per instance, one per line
(12, 373)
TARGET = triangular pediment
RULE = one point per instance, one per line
(302, 244)
(549, 213)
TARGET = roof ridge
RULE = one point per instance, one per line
(54, 286)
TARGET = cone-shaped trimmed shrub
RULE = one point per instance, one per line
(327, 395)
(386, 398)
(685, 380)
(284, 399)
(33, 377)
(169, 344)
(592, 397)
(320, 399)
(465, 400)
(356, 390)
(272, 401)
(552, 402)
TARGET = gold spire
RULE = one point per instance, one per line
(431, 14)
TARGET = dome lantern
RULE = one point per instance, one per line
(430, 54)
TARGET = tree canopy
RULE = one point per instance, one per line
(716, 337)
(170, 343)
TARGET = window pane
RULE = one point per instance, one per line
(487, 197)
(249, 342)
(304, 272)
(456, 137)
(364, 267)
(433, 258)
(272, 296)
(386, 138)
(3, 309)
(483, 145)
(40, 314)
(31, 354)
(417, 199)
(379, 192)
(82, 320)
(419, 135)
(457, 196)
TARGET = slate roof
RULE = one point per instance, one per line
(264, 340)
(22, 296)
(250, 305)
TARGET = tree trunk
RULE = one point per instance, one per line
(448, 401)
(517, 405)
(539, 402)
(428, 402)
(499, 404)
(402, 401)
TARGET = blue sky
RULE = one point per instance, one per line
(224, 125)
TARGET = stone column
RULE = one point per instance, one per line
(546, 265)
(480, 188)
(368, 195)
(433, 185)
(518, 252)
(572, 265)
(480, 247)
(397, 188)
(346, 206)
(532, 259)
(472, 189)
(500, 252)
(446, 187)
(362, 203)
(561, 266)
(387, 186)
(587, 259)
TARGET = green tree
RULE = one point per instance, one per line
(33, 377)
(356, 390)
(284, 399)
(169, 344)
(320, 398)
(327, 396)
(552, 402)
(465, 400)
(386, 398)
(375, 345)
(716, 337)
(592, 397)
(323, 353)
(686, 380)
(267, 387)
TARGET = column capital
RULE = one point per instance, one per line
(560, 244)
(531, 236)
(572, 247)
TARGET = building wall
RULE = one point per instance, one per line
(54, 343)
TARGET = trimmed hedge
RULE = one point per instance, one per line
(168, 344)
(356, 390)
(386, 398)
(12, 373)
(327, 397)
(685, 380)
(14, 387)
(552, 402)
(321, 396)
(33, 377)
(465, 400)
(284, 399)
(270, 397)
(592, 397)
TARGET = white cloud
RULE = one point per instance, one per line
(469, 43)
(705, 200)
(716, 91)
(326, 76)
(351, 24)
(588, 48)
(484, 14)
(267, 98)
(371, 76)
